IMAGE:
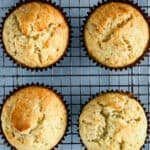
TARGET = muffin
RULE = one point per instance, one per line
(113, 121)
(36, 34)
(116, 35)
(34, 118)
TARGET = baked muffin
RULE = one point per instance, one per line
(36, 34)
(34, 118)
(116, 35)
(113, 121)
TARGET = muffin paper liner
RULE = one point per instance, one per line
(67, 19)
(6, 142)
(130, 94)
(92, 9)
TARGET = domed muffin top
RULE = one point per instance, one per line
(116, 34)
(34, 118)
(113, 121)
(36, 34)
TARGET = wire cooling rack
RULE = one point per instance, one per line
(76, 77)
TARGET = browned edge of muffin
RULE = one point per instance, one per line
(64, 15)
(94, 8)
(58, 94)
(130, 94)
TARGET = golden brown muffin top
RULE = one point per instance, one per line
(36, 34)
(116, 34)
(34, 118)
(113, 121)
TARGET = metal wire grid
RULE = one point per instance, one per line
(76, 77)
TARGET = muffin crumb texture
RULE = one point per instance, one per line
(34, 118)
(36, 34)
(113, 121)
(116, 34)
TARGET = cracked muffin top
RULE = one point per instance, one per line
(36, 34)
(116, 35)
(34, 118)
(113, 121)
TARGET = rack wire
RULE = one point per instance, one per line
(76, 77)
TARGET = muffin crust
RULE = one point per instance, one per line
(34, 118)
(36, 34)
(113, 121)
(116, 35)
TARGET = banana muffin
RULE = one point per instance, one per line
(36, 34)
(116, 35)
(34, 118)
(113, 121)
